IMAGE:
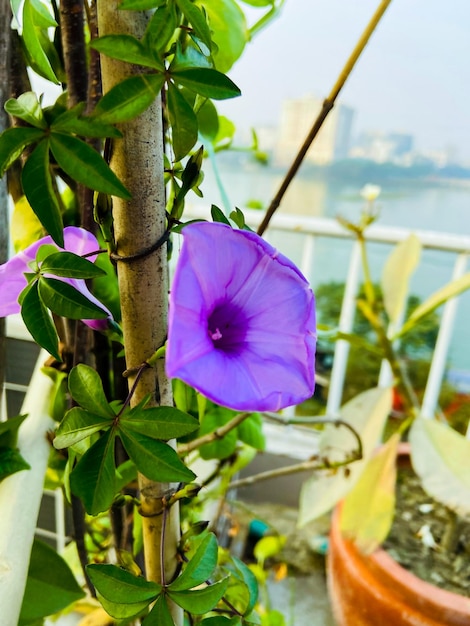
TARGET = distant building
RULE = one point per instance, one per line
(297, 118)
(384, 147)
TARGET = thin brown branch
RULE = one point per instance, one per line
(328, 104)
(186, 448)
(305, 466)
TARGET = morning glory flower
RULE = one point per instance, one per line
(241, 321)
(13, 280)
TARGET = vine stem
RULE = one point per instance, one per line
(186, 448)
(328, 104)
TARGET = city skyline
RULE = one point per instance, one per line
(412, 77)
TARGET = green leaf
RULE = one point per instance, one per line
(38, 189)
(250, 431)
(70, 265)
(27, 108)
(439, 297)
(160, 614)
(221, 620)
(367, 413)
(161, 28)
(33, 20)
(368, 509)
(87, 390)
(163, 422)
(93, 479)
(63, 299)
(12, 143)
(126, 48)
(183, 122)
(197, 19)
(9, 431)
(70, 122)
(228, 31)
(85, 165)
(200, 601)
(140, 5)
(397, 273)
(441, 458)
(50, 587)
(11, 462)
(155, 459)
(129, 98)
(77, 425)
(207, 82)
(38, 321)
(120, 586)
(219, 216)
(200, 567)
(208, 121)
(251, 584)
(221, 448)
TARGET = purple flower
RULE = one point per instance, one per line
(241, 321)
(13, 280)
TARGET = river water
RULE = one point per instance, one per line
(435, 207)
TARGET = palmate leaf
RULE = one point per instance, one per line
(70, 265)
(127, 48)
(12, 143)
(50, 586)
(183, 122)
(161, 28)
(87, 390)
(64, 300)
(129, 98)
(200, 601)
(200, 567)
(85, 165)
(11, 462)
(70, 122)
(162, 422)
(122, 594)
(93, 479)
(38, 189)
(140, 5)
(35, 18)
(229, 31)
(38, 321)
(160, 614)
(77, 425)
(9, 430)
(154, 459)
(206, 82)
(197, 19)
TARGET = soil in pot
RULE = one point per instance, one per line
(416, 535)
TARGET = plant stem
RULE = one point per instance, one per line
(186, 448)
(328, 104)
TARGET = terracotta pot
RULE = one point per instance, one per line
(375, 590)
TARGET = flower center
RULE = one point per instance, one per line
(227, 327)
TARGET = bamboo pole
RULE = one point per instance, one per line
(137, 159)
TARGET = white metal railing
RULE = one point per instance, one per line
(310, 229)
(301, 443)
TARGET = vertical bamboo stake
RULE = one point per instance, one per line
(137, 159)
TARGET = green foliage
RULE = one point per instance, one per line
(11, 460)
(50, 586)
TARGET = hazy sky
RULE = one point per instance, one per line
(414, 75)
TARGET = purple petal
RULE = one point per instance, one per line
(13, 281)
(242, 321)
